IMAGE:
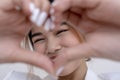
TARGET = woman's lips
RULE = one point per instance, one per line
(53, 57)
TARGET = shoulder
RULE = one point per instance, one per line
(104, 76)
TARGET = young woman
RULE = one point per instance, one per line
(52, 42)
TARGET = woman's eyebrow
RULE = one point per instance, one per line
(36, 34)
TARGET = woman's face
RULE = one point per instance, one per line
(52, 42)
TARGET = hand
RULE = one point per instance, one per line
(14, 26)
(80, 11)
(98, 20)
(103, 43)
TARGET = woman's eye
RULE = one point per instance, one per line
(62, 31)
(39, 40)
(63, 23)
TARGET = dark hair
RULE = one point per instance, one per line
(30, 37)
(51, 1)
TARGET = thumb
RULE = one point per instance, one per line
(83, 50)
(63, 5)
(24, 5)
(60, 7)
(73, 53)
(33, 58)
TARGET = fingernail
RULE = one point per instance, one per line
(53, 18)
(52, 11)
(42, 17)
(47, 25)
(31, 7)
(52, 26)
(59, 71)
(35, 15)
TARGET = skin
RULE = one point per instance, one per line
(55, 41)
(14, 26)
(95, 19)
(98, 20)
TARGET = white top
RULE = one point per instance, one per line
(91, 75)
(13, 75)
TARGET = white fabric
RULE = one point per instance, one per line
(110, 76)
(91, 75)
(13, 75)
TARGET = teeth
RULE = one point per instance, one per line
(42, 17)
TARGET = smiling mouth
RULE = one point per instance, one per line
(53, 57)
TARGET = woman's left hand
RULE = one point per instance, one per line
(100, 43)
(99, 22)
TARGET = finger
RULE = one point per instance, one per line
(24, 5)
(44, 12)
(33, 58)
(61, 6)
(38, 3)
(81, 51)
(35, 8)
(46, 6)
(76, 52)
(62, 18)
(58, 13)
(74, 18)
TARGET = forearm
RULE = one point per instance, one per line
(109, 49)
(109, 11)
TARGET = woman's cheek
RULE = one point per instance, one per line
(69, 41)
(40, 48)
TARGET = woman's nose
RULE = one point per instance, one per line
(53, 51)
(53, 47)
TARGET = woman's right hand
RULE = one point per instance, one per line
(15, 25)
